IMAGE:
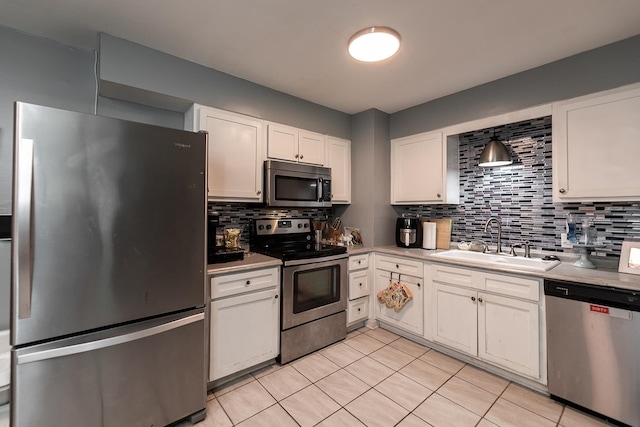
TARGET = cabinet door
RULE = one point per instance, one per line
(455, 317)
(410, 317)
(235, 156)
(417, 169)
(282, 143)
(508, 333)
(357, 310)
(595, 147)
(358, 284)
(245, 331)
(339, 160)
(311, 148)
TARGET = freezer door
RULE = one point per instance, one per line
(109, 222)
(146, 374)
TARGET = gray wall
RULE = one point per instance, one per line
(43, 72)
(599, 69)
(370, 210)
(149, 73)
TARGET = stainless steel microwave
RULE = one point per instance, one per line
(296, 185)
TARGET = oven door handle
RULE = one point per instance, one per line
(315, 260)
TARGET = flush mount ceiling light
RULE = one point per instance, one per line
(494, 154)
(374, 44)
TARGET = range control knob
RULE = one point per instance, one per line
(299, 225)
(269, 227)
(261, 227)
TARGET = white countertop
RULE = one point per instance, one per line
(251, 261)
(602, 276)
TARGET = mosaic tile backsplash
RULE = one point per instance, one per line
(521, 195)
(518, 194)
(238, 215)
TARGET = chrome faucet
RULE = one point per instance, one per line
(486, 230)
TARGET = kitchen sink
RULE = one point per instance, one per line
(499, 260)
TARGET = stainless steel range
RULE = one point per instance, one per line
(314, 284)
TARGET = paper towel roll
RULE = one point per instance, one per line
(428, 235)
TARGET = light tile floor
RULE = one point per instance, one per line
(376, 378)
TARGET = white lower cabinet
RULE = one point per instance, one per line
(245, 326)
(390, 269)
(500, 329)
(359, 289)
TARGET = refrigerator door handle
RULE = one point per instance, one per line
(22, 227)
(69, 350)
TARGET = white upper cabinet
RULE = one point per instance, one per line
(339, 160)
(596, 147)
(424, 169)
(236, 152)
(295, 145)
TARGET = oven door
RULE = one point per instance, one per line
(313, 288)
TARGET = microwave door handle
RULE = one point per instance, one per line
(319, 189)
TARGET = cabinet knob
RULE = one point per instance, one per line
(301, 156)
(418, 284)
(358, 310)
(258, 193)
(359, 262)
(360, 284)
(296, 156)
(397, 266)
(562, 190)
(438, 195)
(473, 298)
(276, 297)
(479, 299)
(248, 282)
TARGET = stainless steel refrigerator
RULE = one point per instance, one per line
(108, 271)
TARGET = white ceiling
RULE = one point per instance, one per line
(299, 46)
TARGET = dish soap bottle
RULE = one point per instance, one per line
(571, 228)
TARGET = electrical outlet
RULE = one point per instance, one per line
(564, 242)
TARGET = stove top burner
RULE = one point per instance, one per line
(314, 251)
(288, 239)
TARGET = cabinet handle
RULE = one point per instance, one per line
(276, 297)
(562, 190)
(473, 298)
(480, 299)
(248, 282)
(258, 192)
(296, 156)
(438, 195)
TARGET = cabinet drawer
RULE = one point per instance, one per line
(519, 287)
(358, 284)
(400, 265)
(454, 275)
(358, 309)
(249, 281)
(357, 262)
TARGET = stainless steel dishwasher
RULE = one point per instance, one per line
(593, 342)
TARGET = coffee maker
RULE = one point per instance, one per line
(409, 231)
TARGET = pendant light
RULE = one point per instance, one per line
(494, 154)
(374, 44)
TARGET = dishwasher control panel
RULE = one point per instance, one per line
(595, 294)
